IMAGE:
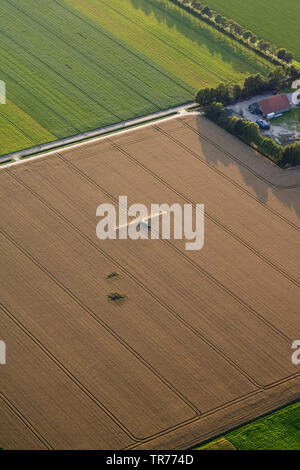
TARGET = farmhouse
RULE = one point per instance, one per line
(274, 105)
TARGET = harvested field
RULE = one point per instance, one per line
(201, 341)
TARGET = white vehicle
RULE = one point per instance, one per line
(144, 222)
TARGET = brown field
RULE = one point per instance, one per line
(203, 340)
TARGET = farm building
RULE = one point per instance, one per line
(273, 105)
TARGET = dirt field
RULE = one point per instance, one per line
(202, 341)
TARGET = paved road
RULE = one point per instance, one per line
(95, 132)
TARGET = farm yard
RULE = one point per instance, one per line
(201, 341)
(286, 128)
(71, 66)
(272, 20)
(291, 119)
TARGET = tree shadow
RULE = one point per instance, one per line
(241, 59)
(290, 198)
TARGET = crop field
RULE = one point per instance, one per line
(71, 66)
(278, 431)
(274, 21)
(202, 339)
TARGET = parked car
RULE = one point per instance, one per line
(254, 108)
(263, 124)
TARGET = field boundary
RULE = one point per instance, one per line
(251, 421)
(229, 423)
(55, 144)
(6, 161)
(271, 57)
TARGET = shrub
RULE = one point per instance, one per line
(277, 79)
(253, 39)
(291, 154)
(219, 19)
(214, 111)
(254, 84)
(237, 92)
(115, 297)
(205, 96)
(206, 11)
(284, 55)
(112, 275)
(270, 148)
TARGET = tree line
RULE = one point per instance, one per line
(248, 131)
(236, 31)
(213, 100)
(228, 93)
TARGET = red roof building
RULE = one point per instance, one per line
(274, 104)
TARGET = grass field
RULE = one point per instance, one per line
(274, 21)
(201, 341)
(71, 66)
(290, 119)
(277, 431)
(218, 444)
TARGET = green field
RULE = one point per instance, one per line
(73, 65)
(275, 21)
(290, 119)
(277, 431)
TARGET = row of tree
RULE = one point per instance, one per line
(249, 132)
(235, 29)
(228, 93)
